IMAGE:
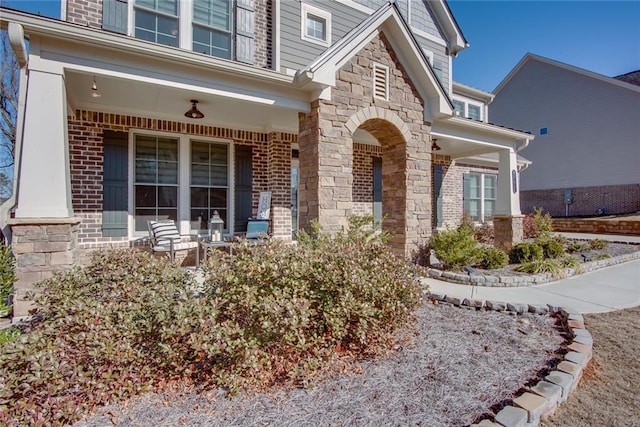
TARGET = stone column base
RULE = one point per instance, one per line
(508, 230)
(40, 247)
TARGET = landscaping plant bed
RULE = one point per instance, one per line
(612, 254)
(451, 367)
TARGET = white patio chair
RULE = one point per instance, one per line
(164, 237)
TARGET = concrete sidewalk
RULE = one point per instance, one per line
(611, 288)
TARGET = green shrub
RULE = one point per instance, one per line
(551, 248)
(525, 252)
(7, 278)
(597, 244)
(569, 262)
(576, 246)
(493, 258)
(542, 266)
(543, 222)
(456, 248)
(599, 256)
(8, 334)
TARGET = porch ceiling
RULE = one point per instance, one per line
(145, 99)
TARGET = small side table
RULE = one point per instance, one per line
(206, 244)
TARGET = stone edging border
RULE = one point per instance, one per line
(523, 280)
(541, 399)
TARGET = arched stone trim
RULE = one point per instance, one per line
(357, 119)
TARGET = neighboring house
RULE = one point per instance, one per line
(334, 107)
(587, 147)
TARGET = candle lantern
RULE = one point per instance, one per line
(216, 225)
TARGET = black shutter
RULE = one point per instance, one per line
(245, 32)
(243, 187)
(377, 190)
(437, 191)
(114, 15)
(115, 185)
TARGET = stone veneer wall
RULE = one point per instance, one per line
(326, 149)
(41, 246)
(271, 156)
(89, 13)
(615, 199)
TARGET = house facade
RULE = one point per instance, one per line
(585, 155)
(336, 108)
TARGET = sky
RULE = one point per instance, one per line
(600, 36)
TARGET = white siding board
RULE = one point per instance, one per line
(593, 128)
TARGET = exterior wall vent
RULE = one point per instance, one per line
(381, 81)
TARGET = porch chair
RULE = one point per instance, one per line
(164, 237)
(257, 232)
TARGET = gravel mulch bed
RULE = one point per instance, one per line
(454, 365)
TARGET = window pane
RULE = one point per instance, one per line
(168, 172)
(145, 147)
(474, 112)
(474, 186)
(145, 171)
(219, 175)
(168, 6)
(474, 209)
(200, 152)
(168, 214)
(489, 206)
(220, 45)
(316, 27)
(458, 106)
(168, 196)
(167, 31)
(219, 153)
(218, 198)
(145, 196)
(141, 218)
(214, 13)
(200, 175)
(490, 187)
(199, 197)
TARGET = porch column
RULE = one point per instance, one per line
(279, 170)
(507, 219)
(326, 169)
(44, 185)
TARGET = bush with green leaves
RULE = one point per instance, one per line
(456, 248)
(525, 252)
(570, 262)
(493, 258)
(551, 248)
(598, 244)
(537, 266)
(7, 279)
(130, 323)
(576, 246)
(9, 334)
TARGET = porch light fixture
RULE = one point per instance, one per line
(434, 145)
(194, 113)
(94, 89)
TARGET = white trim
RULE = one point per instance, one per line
(357, 6)
(307, 9)
(278, 28)
(428, 54)
(429, 36)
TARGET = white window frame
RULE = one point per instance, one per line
(482, 197)
(467, 102)
(305, 11)
(184, 180)
(385, 69)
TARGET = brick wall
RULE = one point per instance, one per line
(615, 199)
(362, 191)
(84, 12)
(86, 163)
(263, 33)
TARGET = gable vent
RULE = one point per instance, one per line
(380, 81)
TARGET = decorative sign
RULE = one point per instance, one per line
(514, 181)
(264, 205)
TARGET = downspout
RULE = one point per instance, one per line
(524, 145)
(16, 39)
